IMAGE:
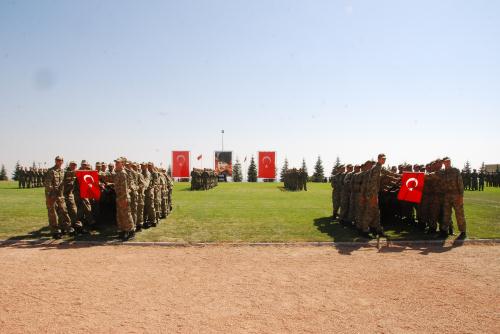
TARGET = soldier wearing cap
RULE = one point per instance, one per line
(149, 204)
(83, 205)
(345, 196)
(123, 214)
(355, 191)
(69, 196)
(133, 188)
(337, 183)
(141, 188)
(59, 221)
(453, 199)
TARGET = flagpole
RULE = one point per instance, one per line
(222, 132)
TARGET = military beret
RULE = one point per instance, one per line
(150, 164)
(341, 166)
(349, 165)
(446, 159)
(110, 164)
(72, 162)
(59, 158)
(119, 160)
(84, 162)
(97, 163)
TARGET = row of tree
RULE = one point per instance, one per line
(318, 175)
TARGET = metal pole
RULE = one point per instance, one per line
(222, 140)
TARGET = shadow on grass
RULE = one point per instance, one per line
(399, 232)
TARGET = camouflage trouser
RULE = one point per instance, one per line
(72, 212)
(164, 204)
(140, 209)
(423, 211)
(133, 206)
(455, 202)
(157, 203)
(336, 202)
(58, 215)
(353, 206)
(123, 216)
(344, 204)
(435, 209)
(149, 206)
(371, 214)
(169, 199)
(84, 212)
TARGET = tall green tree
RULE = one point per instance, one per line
(319, 171)
(304, 166)
(252, 171)
(483, 168)
(3, 174)
(15, 174)
(283, 170)
(237, 173)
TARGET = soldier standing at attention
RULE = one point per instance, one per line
(141, 188)
(123, 215)
(337, 180)
(481, 181)
(474, 180)
(149, 196)
(83, 206)
(345, 196)
(132, 185)
(69, 196)
(56, 207)
(453, 199)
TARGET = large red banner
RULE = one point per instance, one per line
(180, 163)
(267, 165)
(88, 180)
(412, 185)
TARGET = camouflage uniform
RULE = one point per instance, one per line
(54, 198)
(69, 196)
(453, 199)
(133, 193)
(149, 205)
(354, 200)
(345, 196)
(123, 214)
(163, 190)
(141, 188)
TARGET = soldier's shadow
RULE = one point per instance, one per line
(341, 234)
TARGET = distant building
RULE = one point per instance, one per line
(492, 168)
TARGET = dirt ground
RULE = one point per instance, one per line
(248, 289)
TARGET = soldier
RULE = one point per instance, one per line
(142, 183)
(133, 188)
(21, 177)
(163, 191)
(170, 188)
(474, 180)
(69, 197)
(123, 215)
(157, 195)
(371, 220)
(453, 199)
(59, 220)
(337, 183)
(355, 192)
(364, 176)
(481, 181)
(345, 196)
(83, 205)
(149, 205)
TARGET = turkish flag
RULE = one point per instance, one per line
(412, 185)
(88, 180)
(180, 164)
(267, 165)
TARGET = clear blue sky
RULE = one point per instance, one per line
(99, 79)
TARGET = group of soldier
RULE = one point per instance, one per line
(364, 195)
(493, 179)
(295, 179)
(203, 179)
(473, 181)
(31, 177)
(133, 196)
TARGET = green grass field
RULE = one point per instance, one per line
(232, 212)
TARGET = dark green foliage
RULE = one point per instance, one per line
(237, 173)
(319, 171)
(467, 168)
(283, 170)
(3, 174)
(337, 164)
(252, 171)
(304, 167)
(15, 174)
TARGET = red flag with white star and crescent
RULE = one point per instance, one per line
(88, 180)
(267, 165)
(412, 185)
(180, 164)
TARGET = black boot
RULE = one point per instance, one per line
(56, 235)
(443, 234)
(462, 236)
(365, 235)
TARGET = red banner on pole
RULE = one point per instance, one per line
(267, 165)
(412, 185)
(88, 180)
(180, 163)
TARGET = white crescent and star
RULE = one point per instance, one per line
(88, 177)
(266, 164)
(412, 179)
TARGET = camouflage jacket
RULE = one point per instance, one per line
(53, 182)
